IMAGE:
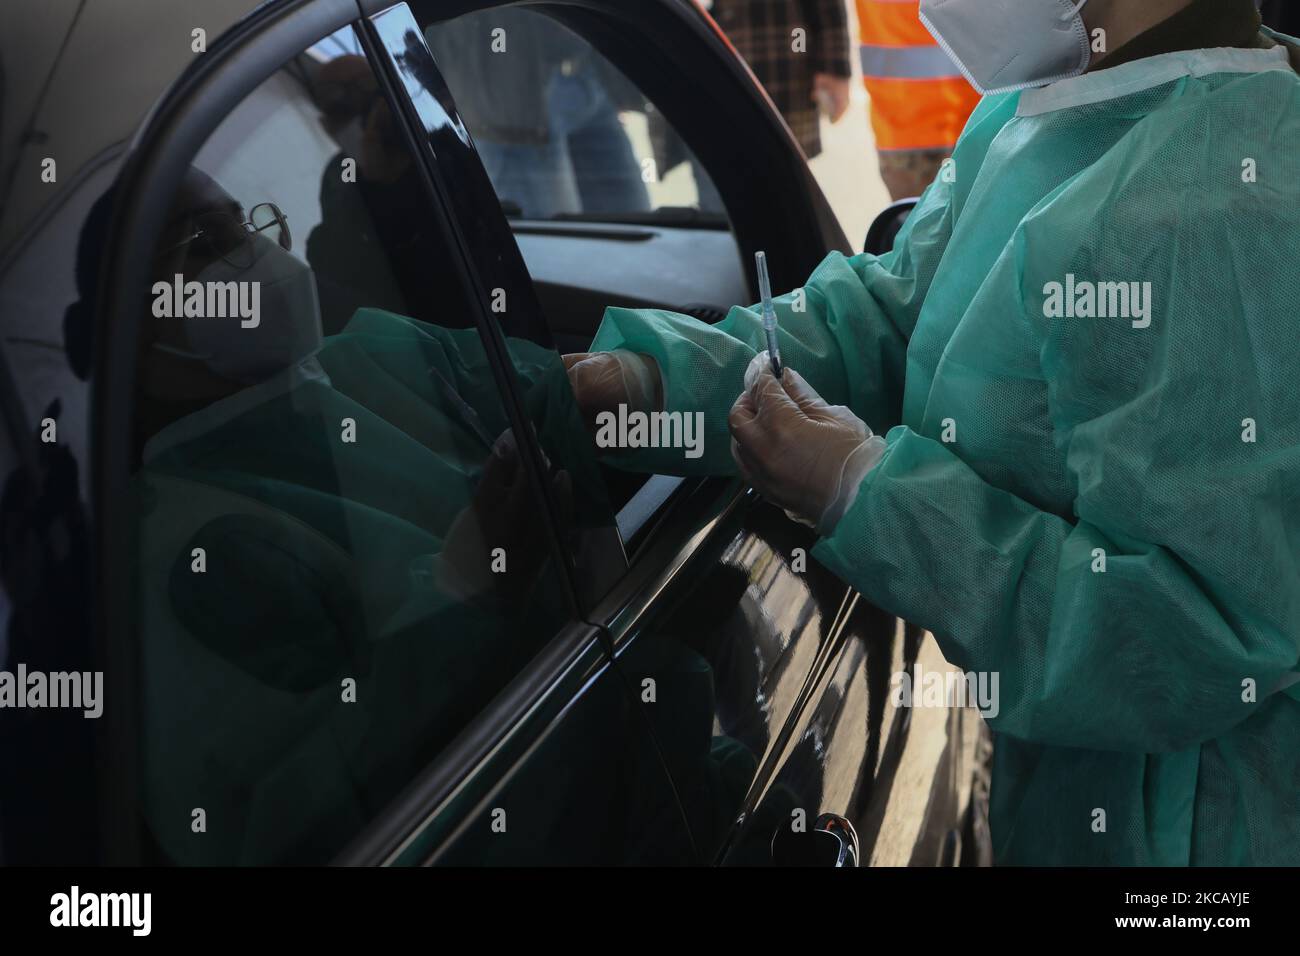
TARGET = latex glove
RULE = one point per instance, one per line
(602, 381)
(800, 453)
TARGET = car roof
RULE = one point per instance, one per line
(79, 79)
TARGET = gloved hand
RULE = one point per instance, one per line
(800, 453)
(602, 381)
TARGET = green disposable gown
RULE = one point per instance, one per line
(1098, 502)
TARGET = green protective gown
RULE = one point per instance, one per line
(1105, 511)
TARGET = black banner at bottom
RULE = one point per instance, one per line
(334, 906)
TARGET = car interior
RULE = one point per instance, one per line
(608, 205)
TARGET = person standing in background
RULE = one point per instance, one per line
(805, 73)
(919, 99)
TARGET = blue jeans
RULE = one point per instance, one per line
(586, 166)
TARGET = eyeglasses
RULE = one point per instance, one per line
(229, 237)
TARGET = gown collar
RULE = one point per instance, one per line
(1147, 73)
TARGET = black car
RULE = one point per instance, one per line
(357, 584)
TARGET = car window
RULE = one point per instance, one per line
(591, 147)
(340, 558)
(563, 134)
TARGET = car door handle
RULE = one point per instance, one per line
(831, 841)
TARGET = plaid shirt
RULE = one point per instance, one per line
(763, 33)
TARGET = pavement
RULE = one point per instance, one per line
(847, 171)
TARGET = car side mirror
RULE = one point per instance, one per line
(885, 229)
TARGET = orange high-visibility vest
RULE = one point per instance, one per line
(919, 99)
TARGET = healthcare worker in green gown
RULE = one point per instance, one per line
(1058, 424)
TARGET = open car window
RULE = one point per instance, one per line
(563, 134)
(579, 160)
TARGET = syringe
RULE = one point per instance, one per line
(769, 313)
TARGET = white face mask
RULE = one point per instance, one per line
(288, 329)
(1006, 45)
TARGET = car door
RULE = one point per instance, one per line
(338, 613)
(501, 741)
